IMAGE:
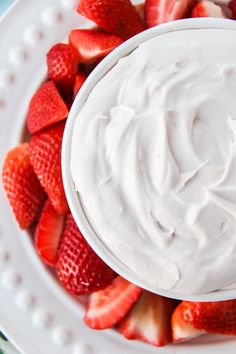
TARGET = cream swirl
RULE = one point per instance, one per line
(154, 160)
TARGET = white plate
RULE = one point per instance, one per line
(36, 313)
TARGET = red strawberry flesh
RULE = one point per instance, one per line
(118, 17)
(62, 61)
(22, 186)
(107, 307)
(160, 11)
(45, 157)
(149, 320)
(79, 268)
(48, 233)
(92, 45)
(46, 108)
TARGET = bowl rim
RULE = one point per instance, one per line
(72, 196)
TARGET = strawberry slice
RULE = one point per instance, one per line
(160, 11)
(46, 108)
(182, 330)
(140, 10)
(149, 320)
(118, 17)
(210, 317)
(24, 192)
(79, 268)
(107, 307)
(62, 61)
(232, 7)
(45, 157)
(48, 233)
(93, 44)
(207, 9)
(79, 81)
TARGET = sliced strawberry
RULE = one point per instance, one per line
(160, 11)
(118, 17)
(210, 317)
(45, 157)
(79, 268)
(140, 10)
(48, 234)
(22, 186)
(62, 61)
(46, 108)
(232, 7)
(79, 81)
(207, 9)
(93, 44)
(107, 307)
(182, 330)
(149, 320)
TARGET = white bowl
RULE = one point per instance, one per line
(72, 195)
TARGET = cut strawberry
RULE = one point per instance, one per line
(140, 10)
(92, 45)
(149, 320)
(118, 17)
(62, 61)
(107, 307)
(79, 81)
(232, 7)
(22, 186)
(46, 108)
(210, 317)
(45, 157)
(48, 234)
(207, 9)
(182, 330)
(79, 268)
(160, 11)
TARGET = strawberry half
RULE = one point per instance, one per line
(207, 9)
(118, 17)
(48, 234)
(79, 81)
(107, 307)
(160, 11)
(182, 330)
(24, 192)
(79, 268)
(93, 44)
(62, 61)
(46, 108)
(149, 320)
(45, 157)
(211, 317)
(232, 7)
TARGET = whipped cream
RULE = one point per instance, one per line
(154, 160)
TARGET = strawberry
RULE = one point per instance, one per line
(207, 8)
(140, 10)
(149, 320)
(232, 7)
(93, 44)
(160, 11)
(22, 186)
(46, 108)
(45, 157)
(182, 330)
(210, 317)
(48, 233)
(79, 268)
(118, 17)
(79, 80)
(62, 61)
(107, 307)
